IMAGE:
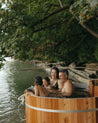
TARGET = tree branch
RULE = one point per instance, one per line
(45, 27)
(60, 4)
(51, 14)
(83, 25)
(88, 29)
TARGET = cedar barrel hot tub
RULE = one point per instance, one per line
(63, 110)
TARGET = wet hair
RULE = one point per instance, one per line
(38, 80)
(65, 71)
(57, 71)
(47, 79)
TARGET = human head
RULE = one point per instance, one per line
(38, 80)
(55, 72)
(63, 74)
(46, 81)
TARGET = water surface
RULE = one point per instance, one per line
(14, 79)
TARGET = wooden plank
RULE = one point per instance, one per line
(96, 82)
(55, 107)
(92, 114)
(80, 106)
(91, 88)
(61, 106)
(38, 104)
(96, 111)
(96, 91)
(48, 114)
(74, 116)
(43, 113)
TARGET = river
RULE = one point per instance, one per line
(14, 79)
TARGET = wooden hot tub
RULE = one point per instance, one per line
(61, 110)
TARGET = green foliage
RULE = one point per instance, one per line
(1, 59)
(96, 52)
(40, 29)
(84, 10)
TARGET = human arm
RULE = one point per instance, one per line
(50, 87)
(60, 84)
(36, 91)
(30, 89)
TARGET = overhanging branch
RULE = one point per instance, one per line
(88, 29)
(82, 24)
(49, 26)
(51, 14)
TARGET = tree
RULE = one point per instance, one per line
(49, 30)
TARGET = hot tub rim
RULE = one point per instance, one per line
(58, 97)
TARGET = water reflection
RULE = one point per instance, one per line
(13, 82)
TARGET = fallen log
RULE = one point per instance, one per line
(92, 68)
(78, 75)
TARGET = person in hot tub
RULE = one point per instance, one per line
(39, 89)
(54, 77)
(65, 85)
(46, 83)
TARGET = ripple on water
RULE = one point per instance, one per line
(13, 82)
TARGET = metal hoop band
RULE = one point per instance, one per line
(61, 111)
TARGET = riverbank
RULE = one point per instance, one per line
(78, 74)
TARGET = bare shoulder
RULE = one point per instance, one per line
(60, 81)
(36, 87)
(69, 82)
(68, 85)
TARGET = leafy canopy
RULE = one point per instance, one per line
(45, 30)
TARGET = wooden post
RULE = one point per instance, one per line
(91, 88)
(96, 88)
